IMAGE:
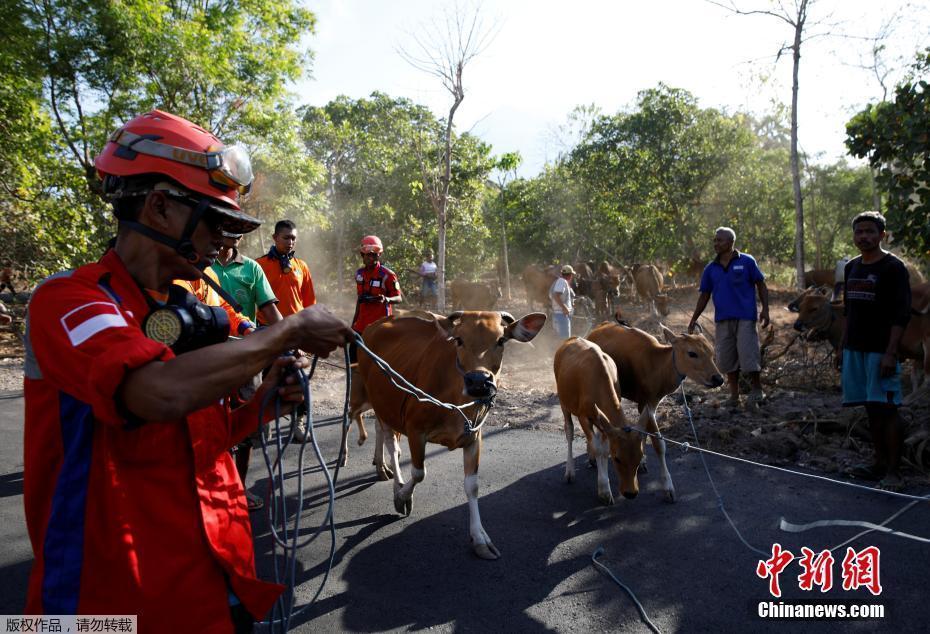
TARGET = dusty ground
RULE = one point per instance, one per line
(801, 423)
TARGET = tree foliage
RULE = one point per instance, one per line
(374, 151)
(72, 70)
(895, 137)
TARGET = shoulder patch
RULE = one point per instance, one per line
(85, 321)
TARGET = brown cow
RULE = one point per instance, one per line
(585, 379)
(819, 277)
(920, 298)
(649, 371)
(537, 282)
(607, 287)
(474, 295)
(649, 287)
(584, 279)
(456, 359)
(824, 320)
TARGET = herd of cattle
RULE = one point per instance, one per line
(458, 358)
(601, 286)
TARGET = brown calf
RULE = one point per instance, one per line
(648, 371)
(585, 379)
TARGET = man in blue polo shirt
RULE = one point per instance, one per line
(733, 278)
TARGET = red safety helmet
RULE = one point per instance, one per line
(371, 244)
(161, 143)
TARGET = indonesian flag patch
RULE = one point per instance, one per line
(85, 321)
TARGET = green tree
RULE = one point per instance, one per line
(649, 169)
(72, 70)
(372, 151)
(895, 137)
(834, 194)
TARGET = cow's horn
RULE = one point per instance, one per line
(454, 316)
(507, 317)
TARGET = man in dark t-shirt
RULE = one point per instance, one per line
(877, 305)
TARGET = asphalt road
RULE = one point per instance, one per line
(683, 560)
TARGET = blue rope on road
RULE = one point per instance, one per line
(720, 505)
(639, 606)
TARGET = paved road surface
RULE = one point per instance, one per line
(682, 560)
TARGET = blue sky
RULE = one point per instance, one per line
(549, 56)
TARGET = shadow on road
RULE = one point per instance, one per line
(11, 484)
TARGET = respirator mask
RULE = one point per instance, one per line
(183, 323)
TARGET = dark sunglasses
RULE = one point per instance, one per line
(211, 217)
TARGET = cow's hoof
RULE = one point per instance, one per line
(344, 460)
(384, 474)
(486, 551)
(403, 506)
(607, 500)
(670, 496)
(568, 478)
(361, 440)
(643, 468)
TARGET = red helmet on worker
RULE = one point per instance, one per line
(161, 144)
(371, 244)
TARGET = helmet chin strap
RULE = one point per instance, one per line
(183, 246)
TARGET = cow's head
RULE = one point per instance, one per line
(693, 357)
(479, 337)
(610, 283)
(626, 450)
(815, 313)
(795, 304)
(661, 301)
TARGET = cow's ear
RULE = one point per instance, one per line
(526, 328)
(670, 336)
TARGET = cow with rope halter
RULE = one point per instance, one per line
(456, 359)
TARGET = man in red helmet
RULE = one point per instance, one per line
(376, 285)
(132, 501)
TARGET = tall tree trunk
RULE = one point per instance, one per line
(442, 211)
(339, 220)
(795, 168)
(876, 197)
(507, 293)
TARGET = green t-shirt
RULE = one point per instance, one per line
(244, 279)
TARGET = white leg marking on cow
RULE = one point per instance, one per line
(643, 421)
(405, 492)
(480, 542)
(659, 445)
(387, 438)
(569, 457)
(602, 458)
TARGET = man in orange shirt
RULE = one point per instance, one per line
(288, 275)
(290, 280)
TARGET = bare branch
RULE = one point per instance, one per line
(732, 8)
